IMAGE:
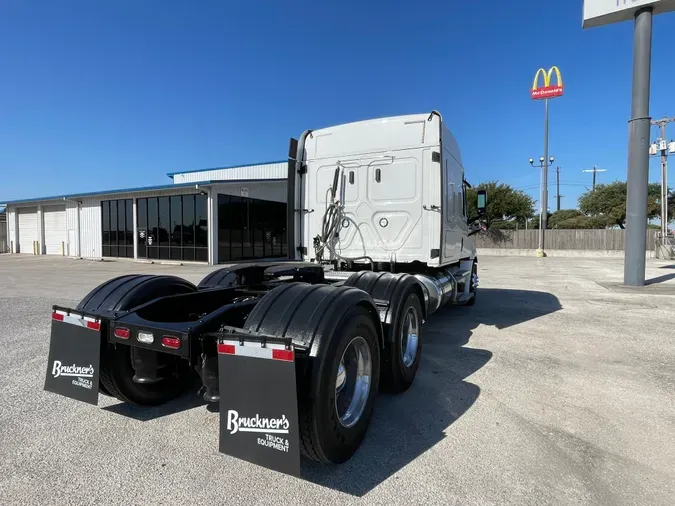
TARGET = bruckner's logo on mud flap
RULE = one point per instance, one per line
(268, 426)
(259, 407)
(80, 373)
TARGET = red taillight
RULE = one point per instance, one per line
(122, 333)
(93, 325)
(171, 342)
(57, 316)
(282, 355)
(227, 349)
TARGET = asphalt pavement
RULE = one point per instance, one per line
(557, 387)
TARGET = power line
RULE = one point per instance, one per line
(534, 186)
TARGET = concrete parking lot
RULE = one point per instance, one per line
(557, 387)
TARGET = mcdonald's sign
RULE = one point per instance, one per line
(548, 90)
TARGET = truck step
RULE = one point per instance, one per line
(464, 297)
(462, 276)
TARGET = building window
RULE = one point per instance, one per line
(173, 228)
(250, 228)
(117, 228)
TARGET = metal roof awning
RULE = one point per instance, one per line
(196, 185)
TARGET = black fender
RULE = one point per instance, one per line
(308, 313)
(123, 293)
(247, 274)
(235, 275)
(126, 292)
(389, 287)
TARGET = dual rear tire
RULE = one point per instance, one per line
(116, 371)
(338, 379)
(402, 355)
(351, 356)
(404, 332)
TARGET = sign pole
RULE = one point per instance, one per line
(638, 152)
(606, 12)
(544, 93)
(545, 196)
(543, 201)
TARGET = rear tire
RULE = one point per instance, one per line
(340, 325)
(116, 375)
(328, 428)
(401, 358)
(116, 371)
(404, 293)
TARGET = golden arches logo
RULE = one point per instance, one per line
(548, 90)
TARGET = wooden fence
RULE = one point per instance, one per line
(589, 240)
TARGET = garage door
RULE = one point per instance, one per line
(27, 229)
(55, 229)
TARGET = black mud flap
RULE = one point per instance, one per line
(74, 355)
(258, 402)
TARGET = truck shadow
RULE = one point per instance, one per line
(406, 426)
(189, 400)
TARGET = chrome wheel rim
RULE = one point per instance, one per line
(352, 382)
(410, 329)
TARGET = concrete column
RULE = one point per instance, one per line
(79, 234)
(11, 239)
(40, 230)
(15, 237)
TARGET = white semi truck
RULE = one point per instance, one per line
(296, 351)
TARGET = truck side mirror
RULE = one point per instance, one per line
(481, 203)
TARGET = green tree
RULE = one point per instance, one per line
(575, 219)
(609, 202)
(504, 203)
(556, 218)
(581, 222)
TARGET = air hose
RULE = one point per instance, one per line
(332, 220)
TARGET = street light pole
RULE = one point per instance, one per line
(543, 208)
(663, 147)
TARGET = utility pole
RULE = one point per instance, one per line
(557, 181)
(662, 146)
(594, 170)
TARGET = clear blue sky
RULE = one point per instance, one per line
(101, 95)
